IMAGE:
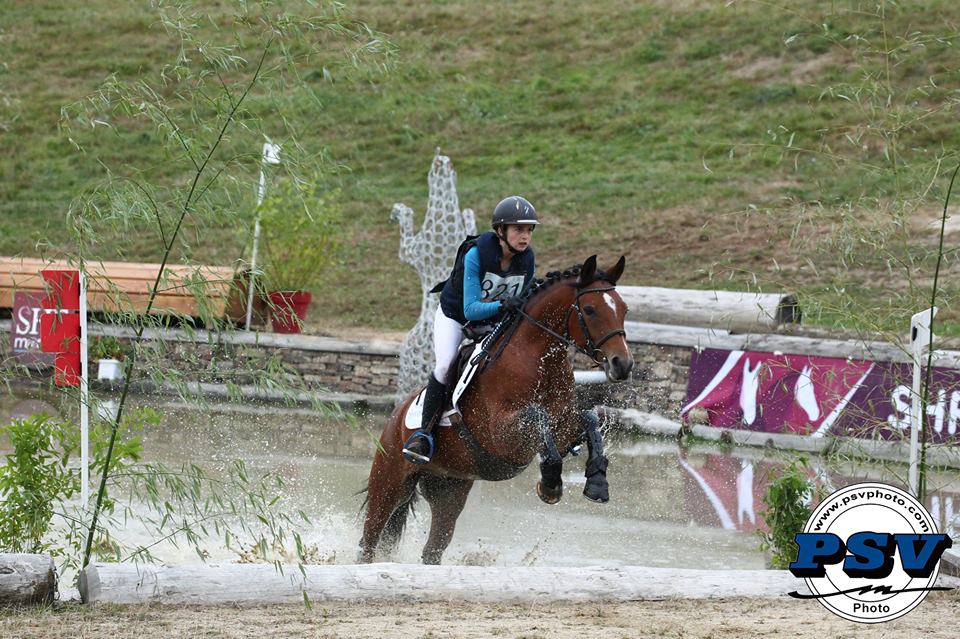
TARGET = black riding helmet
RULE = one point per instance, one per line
(514, 210)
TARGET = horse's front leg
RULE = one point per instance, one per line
(596, 488)
(550, 486)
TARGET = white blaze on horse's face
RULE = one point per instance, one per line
(609, 300)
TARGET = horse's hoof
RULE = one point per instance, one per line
(596, 488)
(549, 495)
(597, 492)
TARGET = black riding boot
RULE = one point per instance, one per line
(419, 447)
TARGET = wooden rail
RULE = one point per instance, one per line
(194, 290)
(727, 310)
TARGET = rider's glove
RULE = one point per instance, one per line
(512, 303)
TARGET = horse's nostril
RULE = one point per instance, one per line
(621, 366)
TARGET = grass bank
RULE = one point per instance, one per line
(797, 146)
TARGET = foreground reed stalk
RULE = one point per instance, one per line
(168, 247)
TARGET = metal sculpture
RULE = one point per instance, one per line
(431, 251)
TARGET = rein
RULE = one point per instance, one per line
(592, 347)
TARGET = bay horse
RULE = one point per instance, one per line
(522, 403)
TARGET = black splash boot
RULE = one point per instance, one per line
(596, 488)
(419, 447)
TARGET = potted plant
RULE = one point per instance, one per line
(300, 227)
(109, 352)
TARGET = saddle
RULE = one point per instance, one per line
(461, 373)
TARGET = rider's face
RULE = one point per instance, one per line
(519, 235)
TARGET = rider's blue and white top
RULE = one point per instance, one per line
(478, 283)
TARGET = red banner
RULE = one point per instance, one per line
(63, 290)
(60, 325)
(60, 333)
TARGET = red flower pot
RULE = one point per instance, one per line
(288, 309)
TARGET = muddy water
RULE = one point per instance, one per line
(695, 507)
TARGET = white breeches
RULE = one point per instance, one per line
(447, 335)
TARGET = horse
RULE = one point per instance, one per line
(520, 404)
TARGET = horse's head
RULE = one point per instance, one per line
(596, 320)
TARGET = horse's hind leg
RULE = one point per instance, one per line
(446, 496)
(393, 530)
(390, 486)
(596, 488)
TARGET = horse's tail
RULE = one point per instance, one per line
(393, 531)
(365, 491)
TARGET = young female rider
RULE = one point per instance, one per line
(489, 274)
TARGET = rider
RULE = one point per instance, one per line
(489, 274)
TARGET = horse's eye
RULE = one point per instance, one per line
(588, 310)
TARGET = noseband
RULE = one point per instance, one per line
(592, 350)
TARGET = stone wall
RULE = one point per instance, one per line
(371, 368)
(339, 367)
(658, 383)
(368, 368)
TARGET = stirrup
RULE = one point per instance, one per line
(413, 456)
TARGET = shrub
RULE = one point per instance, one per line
(300, 230)
(788, 507)
(34, 478)
(106, 347)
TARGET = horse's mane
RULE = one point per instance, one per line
(536, 288)
(539, 285)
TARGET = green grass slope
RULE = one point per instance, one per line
(803, 146)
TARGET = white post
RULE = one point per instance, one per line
(84, 396)
(919, 342)
(271, 155)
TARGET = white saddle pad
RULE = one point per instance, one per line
(414, 417)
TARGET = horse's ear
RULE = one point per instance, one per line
(614, 274)
(588, 271)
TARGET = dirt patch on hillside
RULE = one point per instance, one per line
(761, 67)
(353, 333)
(739, 618)
(779, 68)
(688, 246)
(808, 70)
(926, 223)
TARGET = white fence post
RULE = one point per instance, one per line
(919, 341)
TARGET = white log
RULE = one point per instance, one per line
(26, 579)
(700, 338)
(726, 310)
(255, 584)
(950, 563)
(590, 377)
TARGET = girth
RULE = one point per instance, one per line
(490, 467)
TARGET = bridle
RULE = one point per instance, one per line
(593, 348)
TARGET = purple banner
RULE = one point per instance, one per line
(817, 396)
(25, 329)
